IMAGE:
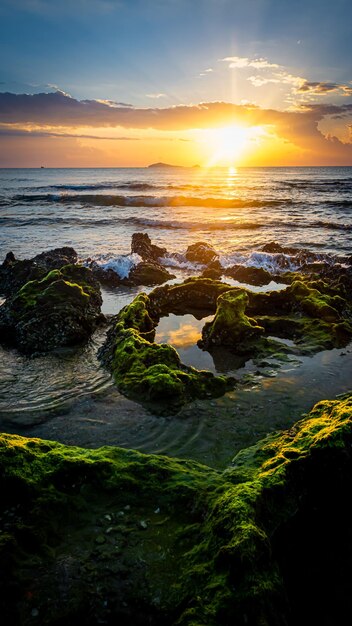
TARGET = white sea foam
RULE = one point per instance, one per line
(121, 264)
(271, 262)
(179, 261)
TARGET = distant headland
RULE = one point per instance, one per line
(168, 165)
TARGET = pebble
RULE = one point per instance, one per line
(143, 524)
(34, 612)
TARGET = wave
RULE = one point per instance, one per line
(131, 185)
(121, 264)
(190, 225)
(140, 201)
(319, 185)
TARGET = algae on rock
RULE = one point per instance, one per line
(115, 535)
(150, 372)
(61, 309)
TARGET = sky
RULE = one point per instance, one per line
(105, 83)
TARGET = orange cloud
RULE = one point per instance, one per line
(299, 127)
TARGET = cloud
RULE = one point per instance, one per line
(323, 88)
(299, 127)
(8, 131)
(241, 62)
(113, 103)
(156, 96)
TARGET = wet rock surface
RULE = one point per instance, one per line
(14, 273)
(142, 245)
(201, 252)
(147, 272)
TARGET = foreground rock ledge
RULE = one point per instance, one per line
(114, 536)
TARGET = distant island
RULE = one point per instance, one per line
(168, 165)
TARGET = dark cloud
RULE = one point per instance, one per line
(322, 88)
(7, 131)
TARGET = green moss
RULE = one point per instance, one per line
(231, 326)
(57, 286)
(150, 372)
(216, 548)
(61, 309)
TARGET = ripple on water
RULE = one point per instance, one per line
(49, 382)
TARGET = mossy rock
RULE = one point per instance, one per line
(116, 536)
(14, 273)
(61, 309)
(231, 326)
(153, 373)
(313, 315)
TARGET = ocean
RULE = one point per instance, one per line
(97, 210)
(68, 396)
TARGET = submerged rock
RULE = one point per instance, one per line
(14, 273)
(262, 542)
(61, 309)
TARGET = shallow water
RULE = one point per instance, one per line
(208, 431)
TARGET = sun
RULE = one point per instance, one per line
(228, 144)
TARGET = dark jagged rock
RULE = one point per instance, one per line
(201, 252)
(249, 275)
(14, 273)
(195, 295)
(105, 276)
(149, 274)
(61, 309)
(142, 245)
(212, 273)
(265, 542)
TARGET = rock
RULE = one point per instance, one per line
(15, 273)
(61, 309)
(249, 275)
(210, 272)
(231, 326)
(153, 373)
(201, 252)
(149, 274)
(195, 295)
(142, 245)
(105, 276)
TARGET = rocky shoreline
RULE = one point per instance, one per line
(115, 535)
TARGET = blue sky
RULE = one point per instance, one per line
(123, 50)
(137, 66)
